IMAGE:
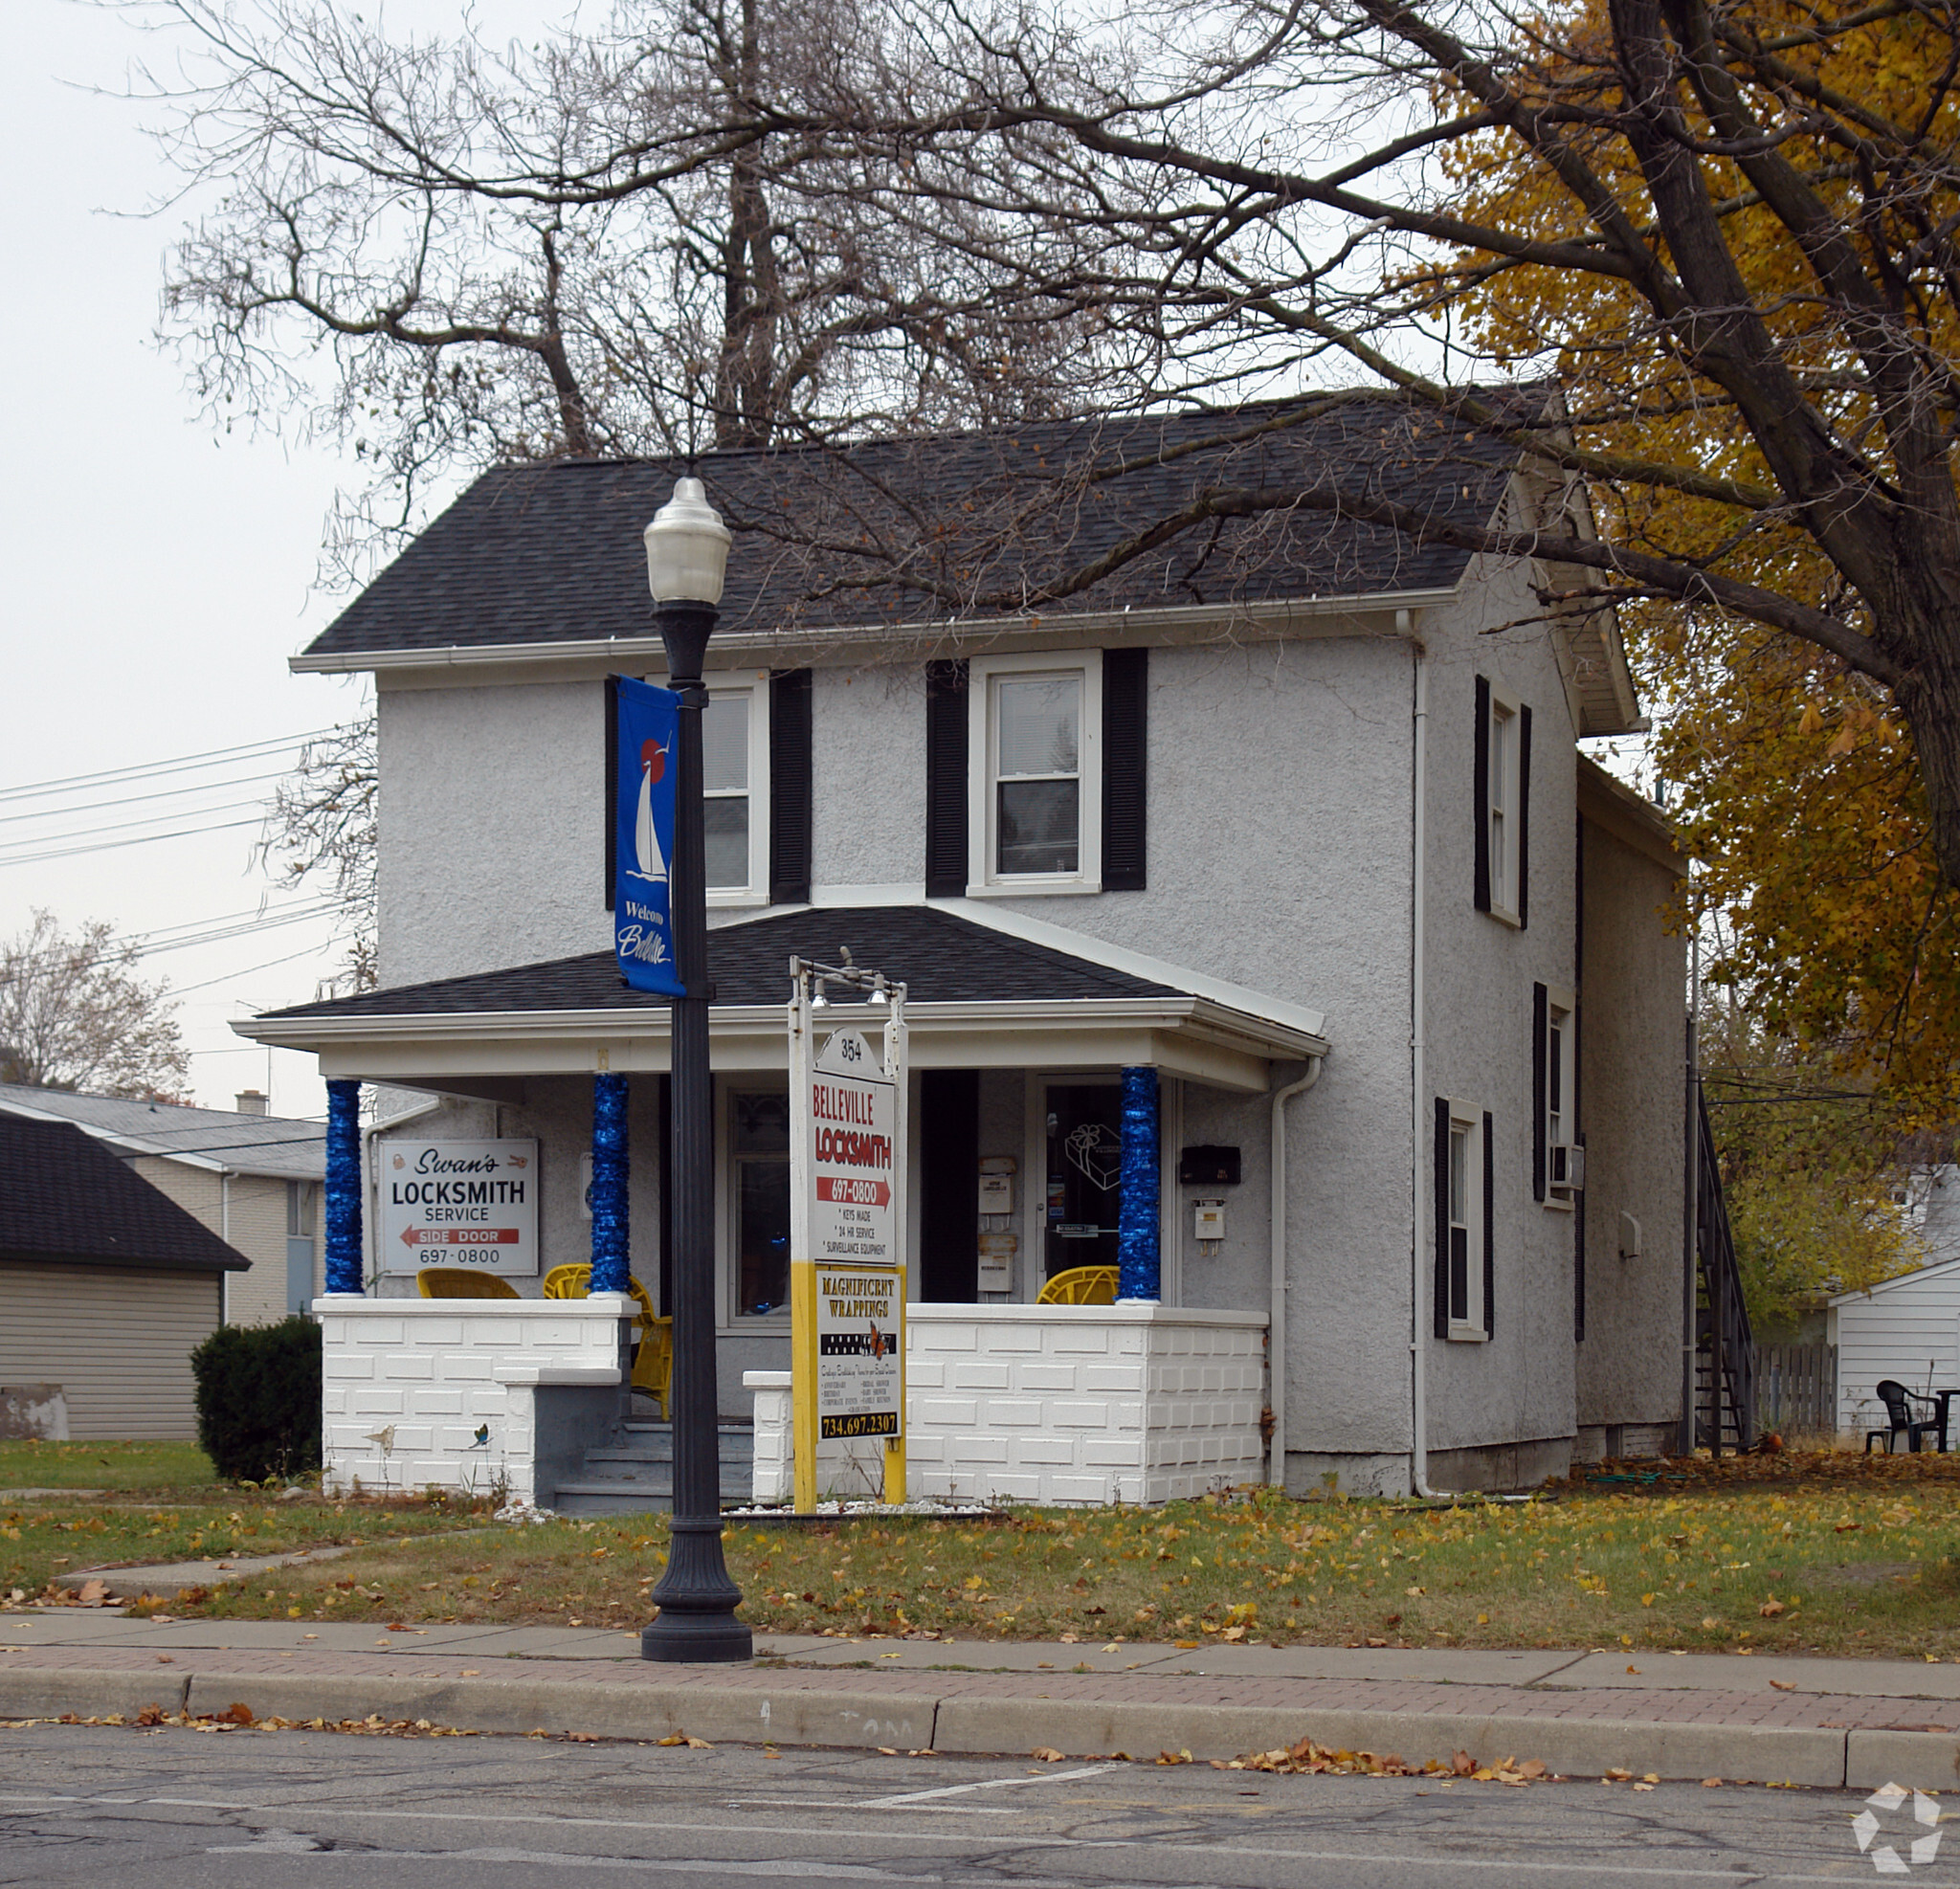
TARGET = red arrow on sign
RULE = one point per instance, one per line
(459, 1236)
(853, 1192)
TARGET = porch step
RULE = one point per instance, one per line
(634, 1474)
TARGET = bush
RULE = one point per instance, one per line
(259, 1399)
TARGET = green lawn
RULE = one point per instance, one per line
(159, 1466)
(1824, 1558)
(45, 1542)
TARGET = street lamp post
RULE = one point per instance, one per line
(687, 554)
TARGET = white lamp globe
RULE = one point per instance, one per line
(687, 547)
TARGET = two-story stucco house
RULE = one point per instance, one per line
(1286, 809)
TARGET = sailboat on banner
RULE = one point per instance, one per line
(646, 842)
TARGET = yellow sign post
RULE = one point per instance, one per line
(847, 1219)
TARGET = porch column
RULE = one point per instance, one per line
(611, 1260)
(344, 1188)
(1138, 1272)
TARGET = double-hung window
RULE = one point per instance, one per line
(735, 788)
(1558, 1160)
(1462, 1221)
(1035, 749)
(1503, 797)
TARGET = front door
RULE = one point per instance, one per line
(1084, 1175)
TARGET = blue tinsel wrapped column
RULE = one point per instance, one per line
(610, 1261)
(1139, 1275)
(344, 1188)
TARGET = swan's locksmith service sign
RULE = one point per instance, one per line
(457, 1204)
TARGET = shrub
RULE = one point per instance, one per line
(259, 1399)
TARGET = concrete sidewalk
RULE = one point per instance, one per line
(1765, 1718)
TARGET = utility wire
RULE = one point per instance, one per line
(172, 765)
(133, 799)
(123, 825)
(115, 845)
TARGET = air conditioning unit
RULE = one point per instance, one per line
(1567, 1162)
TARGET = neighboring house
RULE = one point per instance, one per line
(106, 1285)
(253, 1178)
(1286, 798)
(1907, 1330)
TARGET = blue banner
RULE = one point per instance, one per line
(643, 823)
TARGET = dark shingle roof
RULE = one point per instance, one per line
(63, 1196)
(542, 554)
(940, 957)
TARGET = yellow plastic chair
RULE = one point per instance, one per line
(1080, 1286)
(461, 1282)
(653, 1336)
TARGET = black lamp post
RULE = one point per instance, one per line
(687, 553)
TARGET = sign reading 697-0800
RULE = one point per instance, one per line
(457, 1204)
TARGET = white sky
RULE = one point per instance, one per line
(157, 575)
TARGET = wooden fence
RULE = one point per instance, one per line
(1796, 1389)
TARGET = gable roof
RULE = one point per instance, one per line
(532, 555)
(215, 1137)
(66, 1199)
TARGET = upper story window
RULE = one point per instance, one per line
(1502, 803)
(1035, 807)
(735, 788)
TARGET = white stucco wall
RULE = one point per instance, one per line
(1633, 1030)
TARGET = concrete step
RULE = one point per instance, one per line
(633, 1474)
(654, 1442)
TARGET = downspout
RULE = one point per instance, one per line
(225, 1234)
(1276, 1314)
(1418, 1078)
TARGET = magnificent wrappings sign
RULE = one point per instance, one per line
(861, 1387)
(457, 1204)
(649, 727)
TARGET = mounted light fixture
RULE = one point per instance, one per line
(688, 549)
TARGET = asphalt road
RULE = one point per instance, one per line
(175, 1809)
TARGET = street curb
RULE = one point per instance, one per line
(866, 1720)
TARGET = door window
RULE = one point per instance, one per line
(759, 1150)
(1084, 1175)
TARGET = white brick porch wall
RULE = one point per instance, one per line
(432, 1372)
(1056, 1404)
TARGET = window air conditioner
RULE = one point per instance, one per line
(1567, 1163)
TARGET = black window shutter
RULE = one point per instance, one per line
(1579, 1272)
(789, 788)
(1125, 711)
(1540, 1082)
(1442, 1218)
(1524, 816)
(609, 800)
(1479, 799)
(1489, 1233)
(945, 780)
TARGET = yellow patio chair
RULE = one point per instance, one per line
(461, 1282)
(653, 1336)
(1080, 1286)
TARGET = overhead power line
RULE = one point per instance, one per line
(113, 845)
(171, 764)
(133, 799)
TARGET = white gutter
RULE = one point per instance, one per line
(1276, 1317)
(1419, 1084)
(1179, 622)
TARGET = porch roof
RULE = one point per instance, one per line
(984, 990)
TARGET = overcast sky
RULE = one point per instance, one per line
(158, 572)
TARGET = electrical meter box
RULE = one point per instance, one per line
(1208, 1219)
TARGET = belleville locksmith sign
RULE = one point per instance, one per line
(457, 1204)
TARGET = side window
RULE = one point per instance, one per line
(1502, 799)
(1035, 807)
(1558, 1160)
(1463, 1255)
(724, 739)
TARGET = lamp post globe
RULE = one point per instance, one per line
(687, 556)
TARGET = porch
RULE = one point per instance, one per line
(1018, 1053)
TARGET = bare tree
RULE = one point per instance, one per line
(321, 824)
(75, 1016)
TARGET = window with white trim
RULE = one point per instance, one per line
(1035, 809)
(1504, 806)
(735, 787)
(1563, 1168)
(1464, 1235)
